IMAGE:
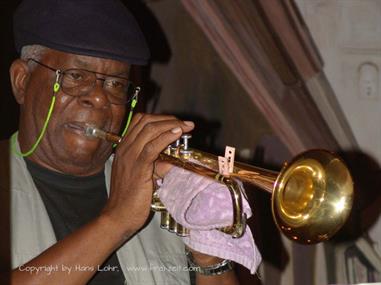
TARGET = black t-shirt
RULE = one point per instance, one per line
(71, 202)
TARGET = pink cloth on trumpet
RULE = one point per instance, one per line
(202, 205)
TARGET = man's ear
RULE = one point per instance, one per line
(19, 74)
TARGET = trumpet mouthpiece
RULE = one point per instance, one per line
(95, 132)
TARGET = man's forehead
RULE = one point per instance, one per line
(70, 60)
(90, 62)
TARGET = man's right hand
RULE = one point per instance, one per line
(133, 168)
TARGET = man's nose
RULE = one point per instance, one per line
(96, 98)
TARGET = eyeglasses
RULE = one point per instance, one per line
(79, 82)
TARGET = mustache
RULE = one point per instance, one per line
(82, 126)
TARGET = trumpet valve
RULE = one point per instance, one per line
(165, 220)
(170, 224)
(181, 230)
(185, 145)
(173, 149)
(156, 204)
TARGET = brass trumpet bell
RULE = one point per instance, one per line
(312, 197)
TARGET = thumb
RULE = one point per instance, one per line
(162, 168)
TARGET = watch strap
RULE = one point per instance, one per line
(215, 269)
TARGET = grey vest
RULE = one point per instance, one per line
(153, 256)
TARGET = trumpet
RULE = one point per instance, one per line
(311, 197)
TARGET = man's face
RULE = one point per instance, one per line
(64, 147)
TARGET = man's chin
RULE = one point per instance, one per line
(81, 163)
(84, 152)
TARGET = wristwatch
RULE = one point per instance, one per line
(215, 269)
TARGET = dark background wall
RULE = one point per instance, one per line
(8, 106)
(193, 82)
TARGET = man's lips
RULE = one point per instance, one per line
(80, 127)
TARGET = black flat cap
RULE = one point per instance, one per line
(100, 28)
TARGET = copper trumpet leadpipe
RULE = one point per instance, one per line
(204, 164)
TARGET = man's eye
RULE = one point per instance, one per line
(115, 84)
(73, 75)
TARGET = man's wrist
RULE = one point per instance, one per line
(204, 260)
(110, 225)
(213, 266)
